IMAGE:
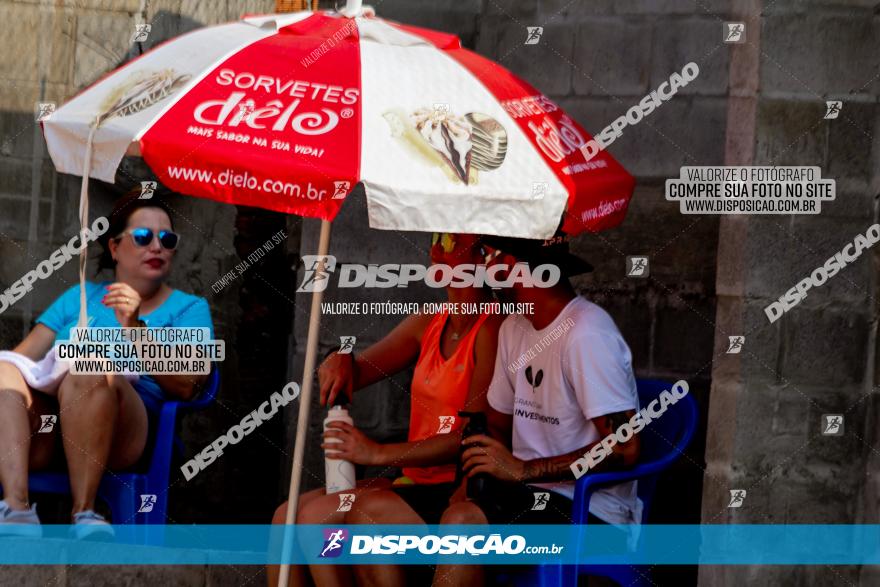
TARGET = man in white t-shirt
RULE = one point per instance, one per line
(563, 381)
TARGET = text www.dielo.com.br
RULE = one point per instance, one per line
(246, 180)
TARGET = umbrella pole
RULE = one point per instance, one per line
(305, 401)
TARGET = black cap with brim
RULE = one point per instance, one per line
(554, 250)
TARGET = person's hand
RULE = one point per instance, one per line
(487, 455)
(355, 447)
(336, 374)
(125, 302)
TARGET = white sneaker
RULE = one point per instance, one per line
(23, 523)
(88, 525)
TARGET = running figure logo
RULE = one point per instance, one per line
(534, 35)
(735, 344)
(446, 423)
(340, 189)
(832, 109)
(333, 540)
(147, 190)
(346, 500)
(737, 496)
(47, 423)
(832, 424)
(147, 503)
(539, 189)
(141, 32)
(637, 267)
(316, 277)
(346, 344)
(735, 32)
(44, 110)
(542, 498)
(245, 109)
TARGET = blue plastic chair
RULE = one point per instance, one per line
(122, 491)
(663, 441)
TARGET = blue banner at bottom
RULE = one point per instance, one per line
(802, 544)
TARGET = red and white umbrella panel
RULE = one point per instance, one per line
(288, 112)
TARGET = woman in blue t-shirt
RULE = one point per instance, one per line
(105, 421)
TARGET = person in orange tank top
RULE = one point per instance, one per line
(454, 356)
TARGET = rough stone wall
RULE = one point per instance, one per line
(767, 402)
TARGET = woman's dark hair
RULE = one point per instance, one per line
(124, 207)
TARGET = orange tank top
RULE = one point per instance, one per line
(439, 390)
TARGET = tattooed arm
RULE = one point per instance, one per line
(487, 455)
(558, 468)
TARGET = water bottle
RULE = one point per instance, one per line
(339, 474)
(478, 485)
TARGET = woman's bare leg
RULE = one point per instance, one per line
(382, 507)
(102, 422)
(42, 443)
(316, 507)
(298, 576)
(464, 512)
(21, 447)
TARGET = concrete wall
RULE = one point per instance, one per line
(767, 402)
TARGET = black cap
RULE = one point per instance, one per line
(554, 250)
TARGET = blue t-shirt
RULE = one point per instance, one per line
(180, 310)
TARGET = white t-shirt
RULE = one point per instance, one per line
(554, 381)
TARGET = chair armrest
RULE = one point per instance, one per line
(587, 484)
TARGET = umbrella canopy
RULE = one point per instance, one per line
(289, 111)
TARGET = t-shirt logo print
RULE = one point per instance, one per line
(535, 381)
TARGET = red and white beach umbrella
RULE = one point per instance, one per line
(289, 111)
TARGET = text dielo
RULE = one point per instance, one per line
(217, 112)
(241, 108)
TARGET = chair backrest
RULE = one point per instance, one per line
(665, 438)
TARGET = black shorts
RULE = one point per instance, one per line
(428, 501)
(515, 503)
(507, 503)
